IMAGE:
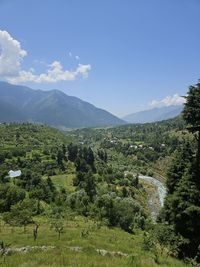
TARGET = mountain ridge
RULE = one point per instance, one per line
(52, 107)
(154, 114)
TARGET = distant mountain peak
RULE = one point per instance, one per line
(154, 114)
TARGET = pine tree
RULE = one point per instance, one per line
(72, 152)
(191, 115)
(182, 205)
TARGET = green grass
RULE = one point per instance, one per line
(64, 181)
(62, 256)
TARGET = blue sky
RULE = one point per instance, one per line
(118, 55)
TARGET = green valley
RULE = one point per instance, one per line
(83, 186)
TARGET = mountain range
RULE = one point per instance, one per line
(155, 114)
(23, 104)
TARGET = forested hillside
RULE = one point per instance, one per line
(44, 155)
(141, 148)
(55, 108)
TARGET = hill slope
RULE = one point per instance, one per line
(21, 104)
(84, 241)
(153, 115)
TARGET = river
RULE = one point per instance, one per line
(161, 193)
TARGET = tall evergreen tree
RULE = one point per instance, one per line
(182, 205)
(191, 115)
(72, 152)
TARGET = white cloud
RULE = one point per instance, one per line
(11, 56)
(77, 57)
(83, 70)
(55, 73)
(168, 101)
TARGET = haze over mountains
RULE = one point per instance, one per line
(155, 114)
(22, 104)
(55, 108)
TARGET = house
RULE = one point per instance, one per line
(14, 174)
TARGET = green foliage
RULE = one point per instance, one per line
(191, 112)
(123, 212)
(56, 219)
(161, 240)
(134, 261)
(148, 242)
(102, 163)
(10, 195)
(80, 202)
(21, 214)
(72, 152)
(181, 161)
(58, 226)
(182, 205)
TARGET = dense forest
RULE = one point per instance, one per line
(42, 154)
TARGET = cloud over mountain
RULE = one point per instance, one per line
(11, 55)
(174, 100)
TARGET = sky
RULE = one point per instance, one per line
(122, 56)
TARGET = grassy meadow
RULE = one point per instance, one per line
(82, 235)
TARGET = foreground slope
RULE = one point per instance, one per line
(102, 247)
(22, 104)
